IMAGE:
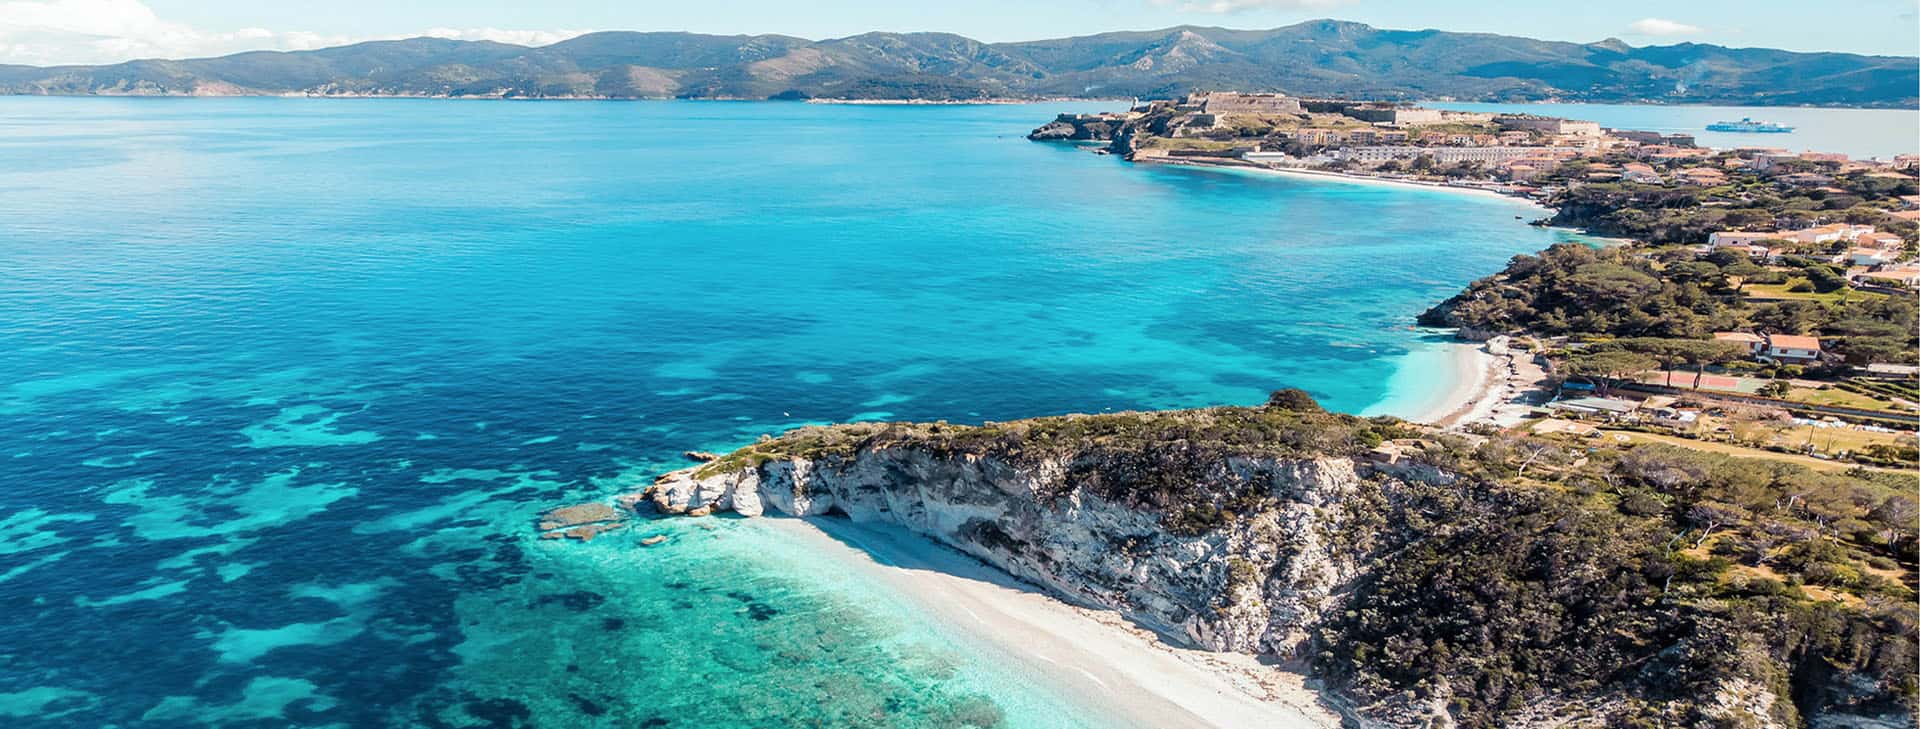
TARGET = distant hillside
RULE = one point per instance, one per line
(1326, 57)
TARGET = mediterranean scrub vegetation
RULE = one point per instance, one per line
(1659, 577)
(1620, 291)
(1688, 213)
(1502, 577)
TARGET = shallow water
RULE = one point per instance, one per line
(286, 380)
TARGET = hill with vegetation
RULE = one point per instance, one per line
(1472, 580)
(1322, 58)
(1630, 292)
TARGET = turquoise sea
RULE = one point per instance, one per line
(285, 381)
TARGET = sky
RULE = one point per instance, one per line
(49, 32)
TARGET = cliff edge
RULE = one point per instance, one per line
(1430, 579)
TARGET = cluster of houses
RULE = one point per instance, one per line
(1374, 133)
(1519, 147)
(1875, 255)
(1517, 151)
(1578, 400)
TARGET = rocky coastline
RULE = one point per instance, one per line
(1031, 521)
(1269, 532)
(1278, 532)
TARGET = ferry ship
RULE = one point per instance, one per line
(1749, 125)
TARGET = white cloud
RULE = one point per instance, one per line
(1223, 7)
(516, 37)
(53, 32)
(1661, 27)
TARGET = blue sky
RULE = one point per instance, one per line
(91, 31)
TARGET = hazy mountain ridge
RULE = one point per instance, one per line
(1314, 58)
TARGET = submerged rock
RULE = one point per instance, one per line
(580, 521)
(576, 515)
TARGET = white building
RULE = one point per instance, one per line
(1549, 125)
(1792, 348)
(1740, 238)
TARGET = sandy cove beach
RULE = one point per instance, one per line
(1347, 178)
(1096, 658)
(1500, 387)
(1357, 179)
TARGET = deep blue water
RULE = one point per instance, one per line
(284, 382)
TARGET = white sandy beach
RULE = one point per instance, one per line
(1417, 184)
(1354, 179)
(1357, 179)
(1471, 371)
(1095, 658)
(1498, 386)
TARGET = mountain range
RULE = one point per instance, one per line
(1315, 58)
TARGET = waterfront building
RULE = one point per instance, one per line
(1549, 125)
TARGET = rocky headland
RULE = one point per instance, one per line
(1427, 578)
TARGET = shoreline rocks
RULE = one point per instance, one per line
(1080, 128)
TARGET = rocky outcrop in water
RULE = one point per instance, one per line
(1424, 590)
(1080, 127)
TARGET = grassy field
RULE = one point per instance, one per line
(1779, 292)
(1841, 398)
(1622, 436)
(1833, 440)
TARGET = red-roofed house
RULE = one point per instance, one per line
(1877, 239)
(1793, 348)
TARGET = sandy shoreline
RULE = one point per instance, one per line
(1416, 184)
(1096, 659)
(1503, 386)
(1358, 179)
(1350, 178)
